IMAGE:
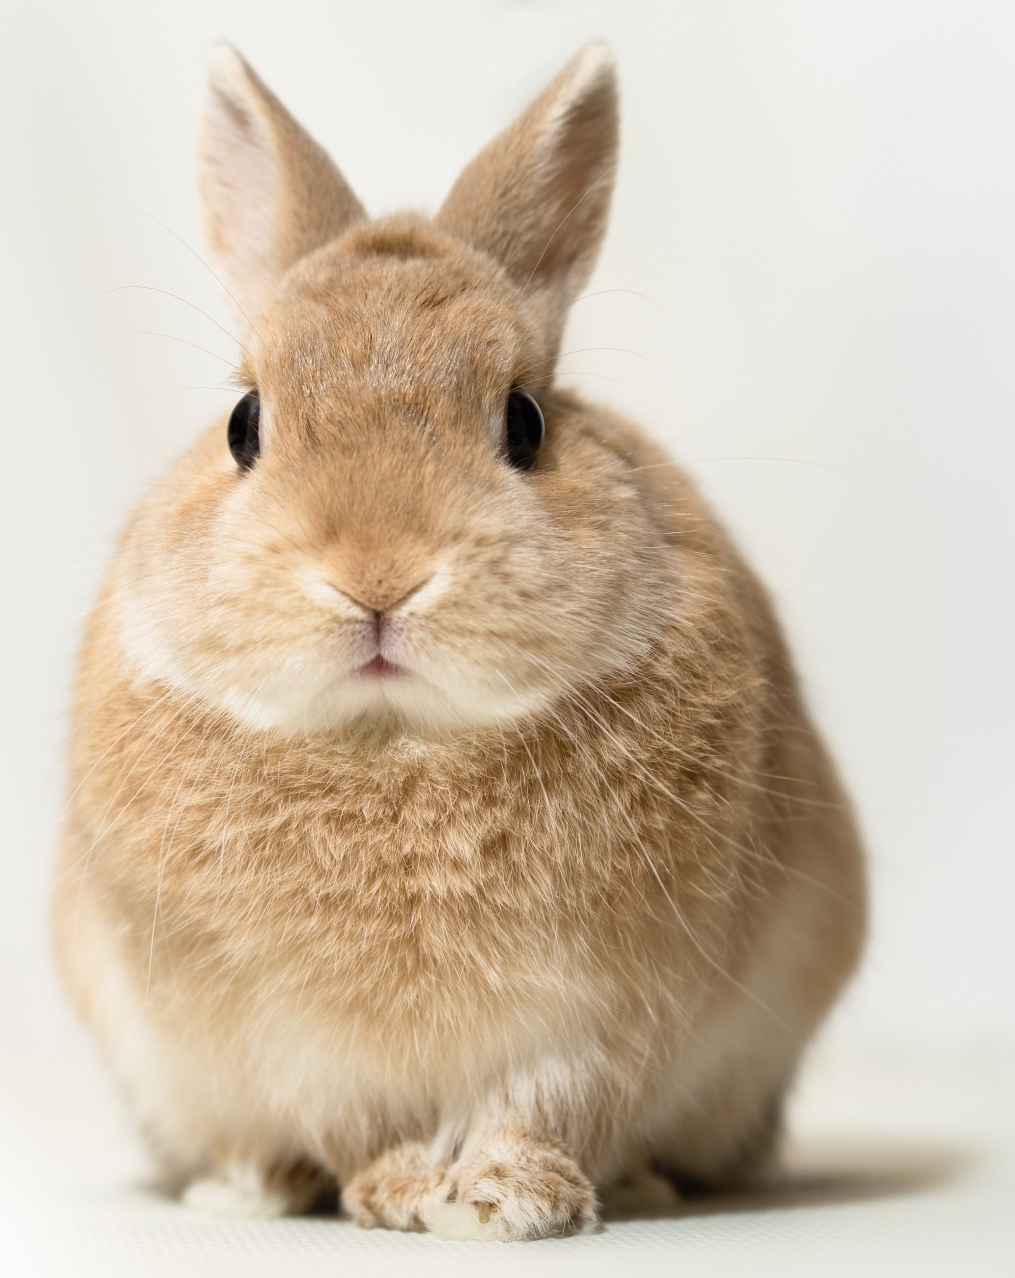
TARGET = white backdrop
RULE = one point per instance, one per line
(807, 292)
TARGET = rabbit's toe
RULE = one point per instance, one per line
(514, 1187)
(396, 1189)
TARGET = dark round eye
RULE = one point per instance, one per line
(525, 430)
(244, 441)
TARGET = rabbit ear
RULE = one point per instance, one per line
(270, 193)
(537, 197)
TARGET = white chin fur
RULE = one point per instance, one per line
(307, 696)
(407, 701)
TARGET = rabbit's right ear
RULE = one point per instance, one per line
(270, 194)
(538, 196)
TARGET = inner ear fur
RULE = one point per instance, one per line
(537, 197)
(270, 194)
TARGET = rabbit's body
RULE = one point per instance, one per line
(470, 945)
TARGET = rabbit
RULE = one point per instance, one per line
(447, 829)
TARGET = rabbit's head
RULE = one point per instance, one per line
(383, 535)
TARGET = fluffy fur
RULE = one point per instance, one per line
(562, 901)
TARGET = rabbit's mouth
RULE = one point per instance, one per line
(380, 668)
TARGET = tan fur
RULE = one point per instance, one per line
(564, 901)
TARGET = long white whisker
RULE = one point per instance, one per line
(149, 288)
(190, 249)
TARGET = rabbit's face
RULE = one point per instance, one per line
(388, 555)
(383, 561)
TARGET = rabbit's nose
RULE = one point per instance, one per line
(378, 597)
(377, 577)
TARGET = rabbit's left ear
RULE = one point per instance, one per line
(270, 194)
(537, 197)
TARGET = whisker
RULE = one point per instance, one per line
(605, 174)
(86, 857)
(138, 332)
(164, 859)
(579, 372)
(162, 731)
(601, 292)
(708, 765)
(749, 852)
(128, 728)
(149, 288)
(178, 390)
(650, 864)
(586, 350)
(798, 461)
(190, 249)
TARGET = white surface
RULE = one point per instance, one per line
(814, 216)
(895, 1169)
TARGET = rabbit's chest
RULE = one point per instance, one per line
(404, 899)
(373, 915)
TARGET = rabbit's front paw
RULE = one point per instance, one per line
(395, 1189)
(513, 1186)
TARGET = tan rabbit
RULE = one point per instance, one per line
(446, 821)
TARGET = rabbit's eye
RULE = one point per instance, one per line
(525, 430)
(244, 441)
